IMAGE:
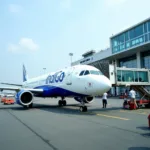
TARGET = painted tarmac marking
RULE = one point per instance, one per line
(135, 112)
(115, 117)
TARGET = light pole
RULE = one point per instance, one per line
(44, 70)
(71, 54)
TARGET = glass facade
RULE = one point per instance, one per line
(129, 62)
(132, 76)
(146, 60)
(135, 36)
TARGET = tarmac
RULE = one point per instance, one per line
(49, 127)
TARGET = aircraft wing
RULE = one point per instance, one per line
(11, 84)
(19, 89)
(10, 88)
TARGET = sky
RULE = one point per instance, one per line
(41, 33)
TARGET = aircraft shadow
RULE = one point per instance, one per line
(144, 128)
(139, 148)
(62, 110)
(147, 135)
(74, 110)
(51, 108)
(46, 107)
(7, 107)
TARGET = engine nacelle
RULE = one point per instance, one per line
(86, 99)
(24, 98)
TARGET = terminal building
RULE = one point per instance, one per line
(127, 61)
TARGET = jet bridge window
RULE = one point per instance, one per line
(86, 72)
(81, 73)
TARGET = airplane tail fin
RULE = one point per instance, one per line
(25, 76)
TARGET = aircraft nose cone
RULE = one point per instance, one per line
(101, 85)
(106, 84)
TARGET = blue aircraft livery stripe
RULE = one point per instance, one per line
(52, 91)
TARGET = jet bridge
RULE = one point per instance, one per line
(131, 76)
(136, 78)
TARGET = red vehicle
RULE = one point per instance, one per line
(3, 99)
(144, 102)
(140, 102)
(9, 101)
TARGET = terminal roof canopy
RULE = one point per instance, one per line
(132, 37)
(88, 53)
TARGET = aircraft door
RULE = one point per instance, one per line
(69, 76)
(88, 83)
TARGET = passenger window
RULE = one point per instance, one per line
(81, 73)
(86, 72)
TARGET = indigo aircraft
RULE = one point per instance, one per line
(82, 82)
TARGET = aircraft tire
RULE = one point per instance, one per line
(31, 105)
(25, 107)
(64, 102)
(83, 109)
(60, 103)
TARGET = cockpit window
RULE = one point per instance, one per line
(95, 72)
(86, 72)
(81, 73)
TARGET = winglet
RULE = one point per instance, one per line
(25, 77)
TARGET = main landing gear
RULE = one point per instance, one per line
(83, 108)
(31, 105)
(62, 102)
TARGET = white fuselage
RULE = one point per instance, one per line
(69, 82)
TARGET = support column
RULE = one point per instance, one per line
(118, 91)
(138, 59)
(113, 91)
(117, 62)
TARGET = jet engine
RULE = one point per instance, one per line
(86, 99)
(24, 98)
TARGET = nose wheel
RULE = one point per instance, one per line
(83, 108)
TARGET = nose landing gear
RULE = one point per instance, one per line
(83, 108)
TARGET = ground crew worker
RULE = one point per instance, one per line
(132, 94)
(104, 99)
